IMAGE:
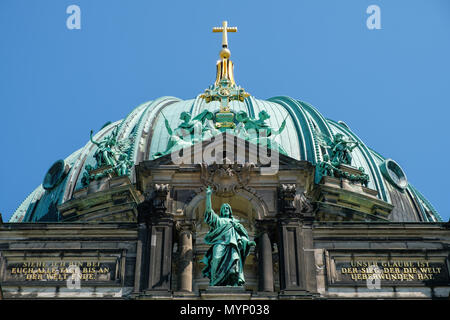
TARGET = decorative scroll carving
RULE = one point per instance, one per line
(286, 195)
(226, 178)
(303, 204)
(155, 205)
(291, 203)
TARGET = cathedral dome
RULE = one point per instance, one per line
(299, 131)
(145, 128)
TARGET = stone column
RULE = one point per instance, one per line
(155, 242)
(291, 244)
(185, 262)
(265, 263)
(291, 255)
(307, 218)
(160, 255)
(140, 256)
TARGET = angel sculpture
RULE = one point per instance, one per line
(340, 148)
(324, 168)
(179, 137)
(104, 154)
(121, 151)
(262, 125)
(112, 154)
(204, 120)
(255, 126)
(243, 122)
(257, 130)
(189, 131)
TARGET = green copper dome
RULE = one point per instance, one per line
(146, 129)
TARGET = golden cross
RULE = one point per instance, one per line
(225, 29)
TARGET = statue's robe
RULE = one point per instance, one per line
(225, 258)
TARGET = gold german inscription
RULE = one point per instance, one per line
(58, 270)
(410, 270)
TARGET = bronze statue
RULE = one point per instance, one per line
(230, 245)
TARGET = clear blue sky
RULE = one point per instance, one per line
(391, 86)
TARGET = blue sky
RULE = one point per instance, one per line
(391, 86)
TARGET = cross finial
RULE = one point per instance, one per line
(225, 29)
(224, 88)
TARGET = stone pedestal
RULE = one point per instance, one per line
(116, 202)
(338, 200)
(225, 293)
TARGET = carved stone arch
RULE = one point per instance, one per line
(258, 204)
(240, 202)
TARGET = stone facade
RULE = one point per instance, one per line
(146, 240)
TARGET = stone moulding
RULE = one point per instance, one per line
(116, 201)
(336, 197)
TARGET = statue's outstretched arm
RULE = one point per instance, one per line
(210, 215)
(92, 140)
(208, 207)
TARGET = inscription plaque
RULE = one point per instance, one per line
(389, 270)
(39, 268)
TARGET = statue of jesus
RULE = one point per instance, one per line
(230, 245)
